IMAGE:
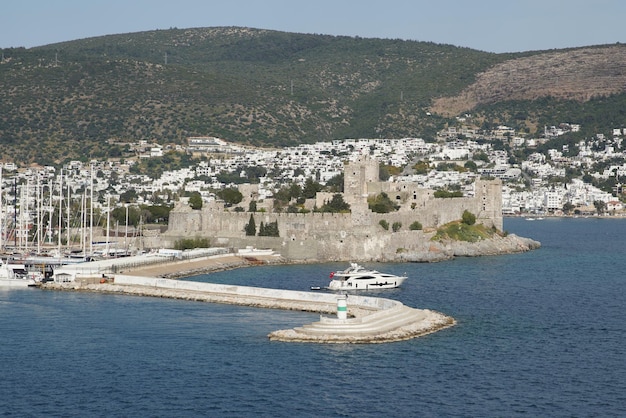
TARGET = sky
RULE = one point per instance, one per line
(487, 25)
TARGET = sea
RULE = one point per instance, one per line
(539, 334)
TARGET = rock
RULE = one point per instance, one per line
(440, 251)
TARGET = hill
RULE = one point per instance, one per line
(576, 75)
(86, 98)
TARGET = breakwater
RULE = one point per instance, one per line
(370, 319)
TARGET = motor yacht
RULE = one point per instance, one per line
(357, 277)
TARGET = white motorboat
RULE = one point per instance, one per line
(9, 277)
(357, 277)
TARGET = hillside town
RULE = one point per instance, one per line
(538, 186)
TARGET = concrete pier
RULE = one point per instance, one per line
(368, 319)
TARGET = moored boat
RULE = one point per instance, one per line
(9, 277)
(357, 277)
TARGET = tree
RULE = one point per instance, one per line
(195, 201)
(384, 224)
(600, 206)
(335, 184)
(481, 156)
(568, 207)
(336, 205)
(254, 173)
(281, 198)
(128, 196)
(155, 214)
(468, 218)
(382, 204)
(119, 215)
(396, 226)
(383, 173)
(230, 196)
(269, 230)
(470, 165)
(251, 227)
(252, 206)
(295, 191)
(311, 188)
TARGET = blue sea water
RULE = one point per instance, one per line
(541, 333)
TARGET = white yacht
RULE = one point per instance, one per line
(357, 277)
(9, 277)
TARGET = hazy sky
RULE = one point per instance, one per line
(488, 25)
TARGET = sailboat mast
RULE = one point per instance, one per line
(83, 222)
(91, 215)
(50, 211)
(15, 212)
(108, 223)
(39, 194)
(1, 213)
(68, 243)
(60, 208)
(25, 214)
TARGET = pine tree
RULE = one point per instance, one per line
(251, 227)
(262, 230)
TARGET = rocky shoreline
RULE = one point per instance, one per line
(497, 245)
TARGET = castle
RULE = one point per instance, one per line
(354, 236)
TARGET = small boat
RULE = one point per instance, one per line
(250, 250)
(357, 277)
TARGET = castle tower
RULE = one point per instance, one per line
(489, 196)
(357, 175)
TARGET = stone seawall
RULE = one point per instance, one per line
(372, 320)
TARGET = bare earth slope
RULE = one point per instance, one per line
(579, 74)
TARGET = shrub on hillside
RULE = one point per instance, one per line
(468, 218)
(415, 226)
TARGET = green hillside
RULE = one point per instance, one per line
(80, 99)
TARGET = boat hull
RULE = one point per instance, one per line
(16, 283)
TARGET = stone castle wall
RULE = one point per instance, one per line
(357, 235)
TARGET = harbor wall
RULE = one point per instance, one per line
(244, 292)
(370, 319)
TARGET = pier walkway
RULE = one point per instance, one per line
(369, 319)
